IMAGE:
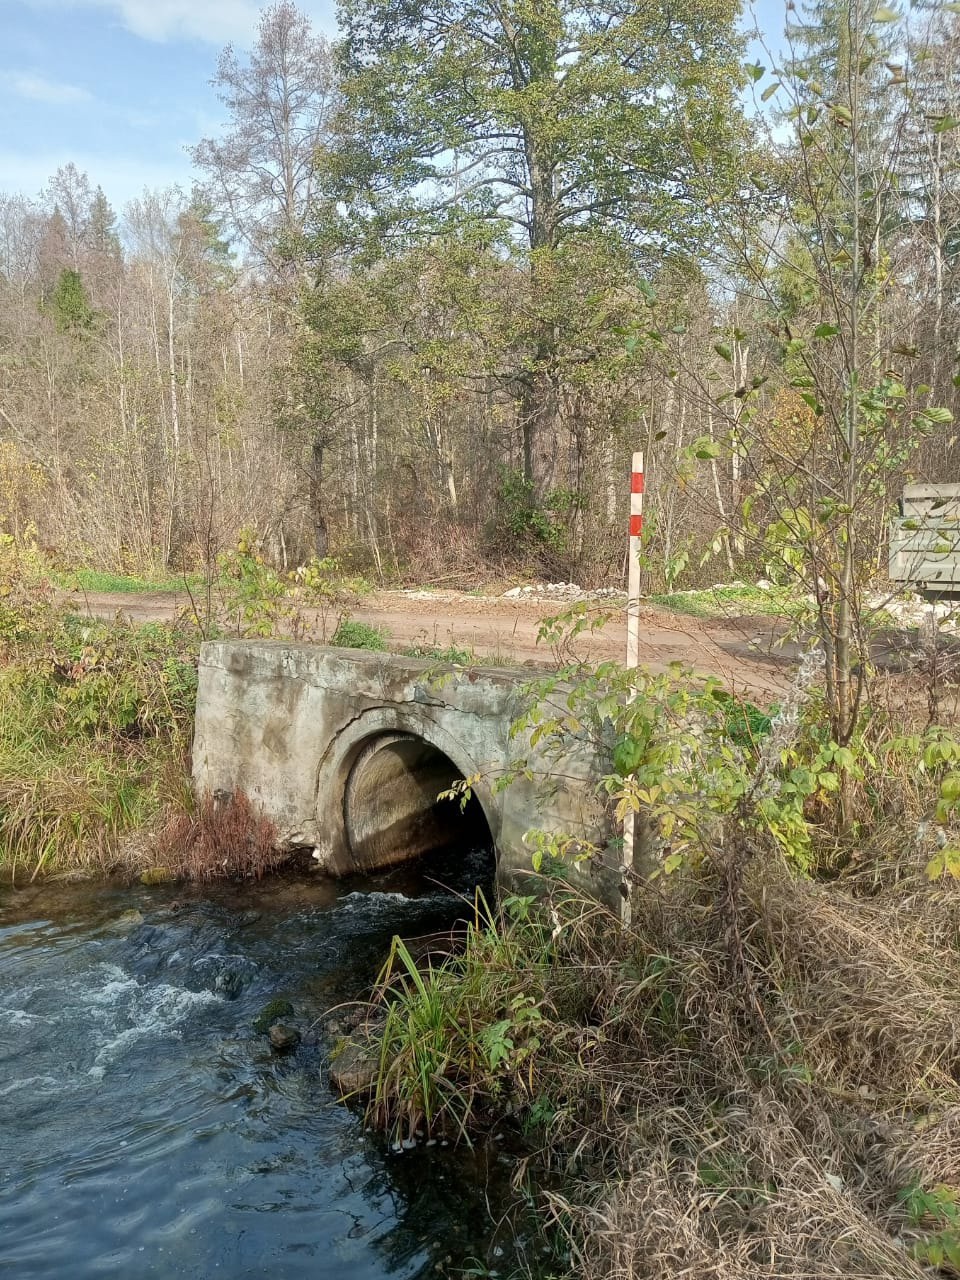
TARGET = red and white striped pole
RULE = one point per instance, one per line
(633, 655)
(633, 562)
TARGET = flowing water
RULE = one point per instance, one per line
(146, 1130)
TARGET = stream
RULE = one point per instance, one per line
(146, 1129)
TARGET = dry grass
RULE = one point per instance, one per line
(766, 1119)
(225, 837)
(735, 1088)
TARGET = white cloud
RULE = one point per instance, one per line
(215, 21)
(39, 89)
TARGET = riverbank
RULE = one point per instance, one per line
(95, 725)
(759, 1078)
(759, 1075)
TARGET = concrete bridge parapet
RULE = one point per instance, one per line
(347, 750)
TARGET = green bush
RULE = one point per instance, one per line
(522, 522)
(358, 635)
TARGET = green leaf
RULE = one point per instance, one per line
(938, 414)
(811, 401)
(755, 71)
(769, 91)
(628, 756)
(883, 14)
(946, 123)
(705, 449)
(946, 862)
(723, 351)
(826, 331)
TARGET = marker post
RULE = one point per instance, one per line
(633, 647)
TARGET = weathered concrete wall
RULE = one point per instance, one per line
(288, 724)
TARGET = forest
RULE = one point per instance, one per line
(438, 279)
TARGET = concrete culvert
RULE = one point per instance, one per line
(390, 806)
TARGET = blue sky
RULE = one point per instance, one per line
(121, 87)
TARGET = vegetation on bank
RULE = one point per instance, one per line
(95, 725)
(743, 1084)
(759, 1074)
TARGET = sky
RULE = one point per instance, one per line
(122, 87)
(118, 87)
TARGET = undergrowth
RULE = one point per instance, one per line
(750, 1082)
(221, 837)
(95, 723)
(759, 1076)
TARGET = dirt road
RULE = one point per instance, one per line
(740, 651)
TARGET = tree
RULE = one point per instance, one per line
(70, 304)
(818, 272)
(102, 227)
(261, 175)
(546, 120)
(69, 195)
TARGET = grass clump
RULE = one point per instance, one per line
(452, 1035)
(95, 721)
(451, 654)
(759, 1078)
(223, 836)
(358, 635)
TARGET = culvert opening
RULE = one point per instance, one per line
(392, 812)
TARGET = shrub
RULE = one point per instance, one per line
(224, 837)
(523, 523)
(358, 635)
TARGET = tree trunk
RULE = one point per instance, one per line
(321, 538)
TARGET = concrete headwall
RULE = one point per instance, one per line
(336, 746)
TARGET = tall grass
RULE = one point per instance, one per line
(95, 720)
(221, 837)
(455, 1031)
(750, 1082)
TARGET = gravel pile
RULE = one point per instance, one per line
(561, 591)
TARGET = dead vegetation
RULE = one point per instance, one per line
(225, 836)
(781, 1127)
(771, 1095)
